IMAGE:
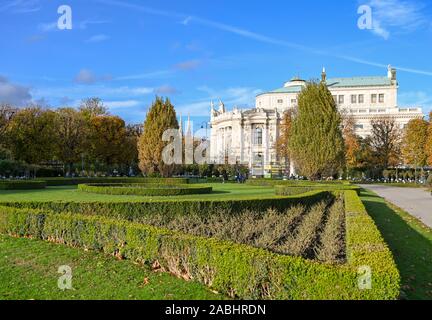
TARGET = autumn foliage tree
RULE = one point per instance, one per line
(414, 143)
(352, 142)
(316, 142)
(72, 136)
(160, 117)
(385, 141)
(107, 139)
(429, 142)
(32, 135)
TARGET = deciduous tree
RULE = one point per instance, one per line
(72, 136)
(414, 143)
(385, 141)
(32, 135)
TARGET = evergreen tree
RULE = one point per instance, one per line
(316, 142)
(160, 117)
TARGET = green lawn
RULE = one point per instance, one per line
(410, 242)
(70, 193)
(28, 270)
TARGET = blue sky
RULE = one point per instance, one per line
(194, 51)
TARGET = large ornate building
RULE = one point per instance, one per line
(249, 136)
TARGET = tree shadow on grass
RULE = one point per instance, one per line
(410, 242)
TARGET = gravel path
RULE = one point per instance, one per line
(417, 202)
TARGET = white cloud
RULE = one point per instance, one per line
(396, 16)
(14, 94)
(122, 104)
(20, 6)
(166, 90)
(242, 97)
(98, 38)
(408, 19)
(88, 77)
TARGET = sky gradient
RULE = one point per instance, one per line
(126, 52)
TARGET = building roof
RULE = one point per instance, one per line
(359, 82)
(293, 89)
(337, 83)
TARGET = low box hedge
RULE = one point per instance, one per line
(236, 270)
(289, 190)
(133, 211)
(21, 185)
(145, 189)
(56, 182)
(298, 183)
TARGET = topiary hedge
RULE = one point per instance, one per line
(56, 182)
(21, 185)
(236, 270)
(144, 189)
(134, 211)
(296, 183)
(288, 190)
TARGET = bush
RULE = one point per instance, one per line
(296, 183)
(144, 189)
(287, 190)
(55, 182)
(291, 191)
(237, 270)
(136, 211)
(21, 185)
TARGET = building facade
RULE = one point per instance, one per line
(249, 136)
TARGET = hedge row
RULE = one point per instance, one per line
(288, 190)
(271, 183)
(21, 185)
(134, 211)
(144, 189)
(367, 248)
(55, 182)
(236, 270)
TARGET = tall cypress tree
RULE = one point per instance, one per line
(316, 143)
(160, 117)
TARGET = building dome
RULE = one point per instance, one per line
(295, 82)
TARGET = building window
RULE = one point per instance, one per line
(353, 99)
(381, 98)
(361, 98)
(359, 127)
(280, 101)
(258, 139)
(374, 98)
(341, 99)
(293, 101)
(335, 99)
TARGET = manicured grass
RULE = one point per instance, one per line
(71, 193)
(410, 242)
(28, 270)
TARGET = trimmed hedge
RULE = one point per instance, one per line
(288, 190)
(133, 211)
(236, 270)
(144, 189)
(272, 183)
(56, 182)
(21, 185)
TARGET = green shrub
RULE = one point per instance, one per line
(55, 182)
(21, 185)
(144, 189)
(136, 211)
(237, 270)
(291, 191)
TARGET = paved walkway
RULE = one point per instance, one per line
(417, 202)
